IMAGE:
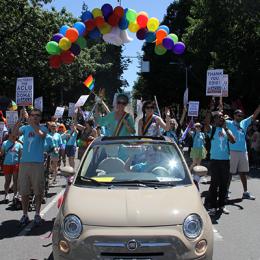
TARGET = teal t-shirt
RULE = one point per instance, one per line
(72, 139)
(48, 143)
(219, 145)
(198, 140)
(239, 132)
(33, 145)
(11, 152)
(110, 123)
(57, 142)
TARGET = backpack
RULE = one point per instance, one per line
(208, 140)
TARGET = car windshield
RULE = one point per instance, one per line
(133, 163)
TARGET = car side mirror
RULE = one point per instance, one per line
(67, 171)
(200, 170)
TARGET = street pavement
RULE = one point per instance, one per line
(236, 236)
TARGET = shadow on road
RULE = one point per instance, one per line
(9, 229)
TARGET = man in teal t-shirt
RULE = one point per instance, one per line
(238, 151)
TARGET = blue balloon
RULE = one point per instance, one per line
(123, 24)
(64, 29)
(86, 16)
(94, 34)
(165, 28)
(107, 10)
(150, 37)
(81, 27)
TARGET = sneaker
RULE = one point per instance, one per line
(224, 210)
(24, 220)
(7, 198)
(37, 220)
(212, 212)
(248, 196)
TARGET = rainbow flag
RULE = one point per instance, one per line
(89, 83)
(13, 106)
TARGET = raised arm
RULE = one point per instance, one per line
(256, 113)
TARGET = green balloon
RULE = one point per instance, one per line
(53, 48)
(160, 50)
(82, 42)
(131, 15)
(174, 37)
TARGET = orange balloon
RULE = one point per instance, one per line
(161, 34)
(72, 34)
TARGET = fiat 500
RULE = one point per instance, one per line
(132, 198)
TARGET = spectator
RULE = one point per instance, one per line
(71, 145)
(255, 146)
(62, 156)
(31, 171)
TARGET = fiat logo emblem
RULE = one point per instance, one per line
(132, 245)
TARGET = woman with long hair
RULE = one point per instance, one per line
(150, 124)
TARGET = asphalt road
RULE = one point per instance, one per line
(236, 236)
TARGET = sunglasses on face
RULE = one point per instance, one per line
(149, 107)
(121, 103)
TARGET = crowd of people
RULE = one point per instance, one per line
(224, 141)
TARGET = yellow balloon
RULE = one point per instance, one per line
(105, 29)
(65, 43)
(97, 12)
(153, 24)
(133, 27)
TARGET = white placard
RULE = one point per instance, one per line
(193, 108)
(2, 129)
(225, 85)
(24, 91)
(38, 103)
(186, 97)
(11, 117)
(59, 112)
(82, 100)
(71, 109)
(214, 83)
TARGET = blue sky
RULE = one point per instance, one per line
(154, 8)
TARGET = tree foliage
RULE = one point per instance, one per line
(25, 28)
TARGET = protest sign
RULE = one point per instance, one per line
(193, 108)
(214, 82)
(59, 112)
(38, 103)
(71, 109)
(2, 129)
(11, 117)
(186, 97)
(225, 85)
(81, 101)
(24, 91)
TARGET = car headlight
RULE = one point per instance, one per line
(192, 226)
(72, 227)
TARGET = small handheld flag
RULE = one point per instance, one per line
(89, 83)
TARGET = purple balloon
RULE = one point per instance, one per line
(56, 37)
(168, 43)
(141, 34)
(179, 48)
(107, 10)
(75, 49)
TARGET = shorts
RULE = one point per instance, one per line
(11, 169)
(238, 162)
(198, 153)
(70, 150)
(31, 178)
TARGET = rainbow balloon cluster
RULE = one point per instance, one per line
(111, 24)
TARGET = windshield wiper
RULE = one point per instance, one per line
(91, 180)
(143, 183)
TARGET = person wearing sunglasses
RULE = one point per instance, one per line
(31, 170)
(150, 124)
(118, 122)
(238, 151)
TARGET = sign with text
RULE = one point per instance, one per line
(71, 109)
(24, 91)
(81, 101)
(38, 103)
(2, 129)
(214, 83)
(193, 108)
(59, 112)
(225, 85)
(11, 117)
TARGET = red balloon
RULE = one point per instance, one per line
(119, 11)
(55, 61)
(67, 57)
(113, 20)
(90, 25)
(142, 20)
(72, 34)
(99, 21)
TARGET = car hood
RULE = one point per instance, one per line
(132, 206)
